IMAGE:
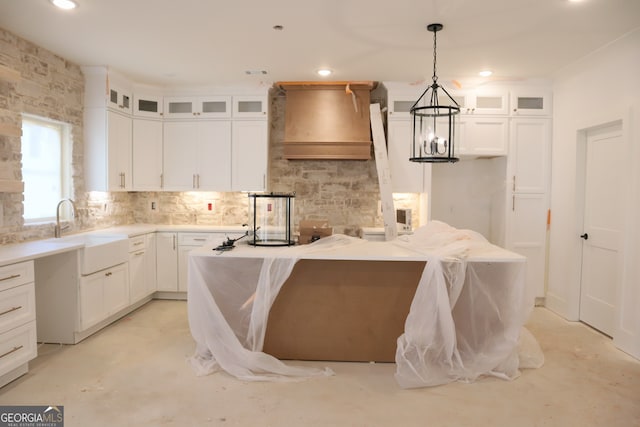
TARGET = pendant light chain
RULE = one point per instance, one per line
(435, 77)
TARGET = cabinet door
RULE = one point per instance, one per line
(118, 98)
(249, 155)
(137, 275)
(119, 135)
(183, 267)
(150, 263)
(116, 289)
(213, 107)
(526, 236)
(147, 155)
(530, 102)
(167, 261)
(214, 156)
(486, 136)
(92, 306)
(147, 106)
(194, 107)
(249, 106)
(406, 176)
(529, 155)
(180, 108)
(180, 158)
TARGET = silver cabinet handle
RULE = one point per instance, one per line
(13, 350)
(174, 242)
(139, 253)
(514, 183)
(12, 309)
(108, 273)
(161, 180)
(193, 181)
(199, 240)
(13, 276)
(138, 243)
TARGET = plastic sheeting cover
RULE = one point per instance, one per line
(465, 320)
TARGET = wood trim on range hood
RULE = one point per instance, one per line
(327, 120)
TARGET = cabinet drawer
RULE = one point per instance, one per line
(16, 274)
(17, 306)
(137, 243)
(17, 346)
(195, 239)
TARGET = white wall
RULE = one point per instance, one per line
(470, 194)
(601, 88)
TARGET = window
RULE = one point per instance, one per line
(46, 165)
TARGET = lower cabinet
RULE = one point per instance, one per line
(142, 267)
(102, 294)
(167, 261)
(17, 320)
(186, 243)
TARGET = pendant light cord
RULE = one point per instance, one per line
(434, 78)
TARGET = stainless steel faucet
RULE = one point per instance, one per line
(58, 229)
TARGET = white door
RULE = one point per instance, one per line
(602, 224)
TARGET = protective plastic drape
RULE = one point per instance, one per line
(465, 319)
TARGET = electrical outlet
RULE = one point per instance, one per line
(153, 205)
(210, 205)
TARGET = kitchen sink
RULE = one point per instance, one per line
(100, 251)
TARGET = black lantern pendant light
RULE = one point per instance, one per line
(434, 125)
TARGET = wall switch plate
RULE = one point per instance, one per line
(153, 205)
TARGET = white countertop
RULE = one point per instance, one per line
(18, 252)
(353, 249)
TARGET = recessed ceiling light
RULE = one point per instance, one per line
(65, 4)
(485, 73)
(324, 72)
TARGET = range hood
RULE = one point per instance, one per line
(327, 120)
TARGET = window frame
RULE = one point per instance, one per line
(66, 184)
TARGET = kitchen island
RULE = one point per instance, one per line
(448, 304)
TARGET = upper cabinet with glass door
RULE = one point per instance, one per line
(147, 106)
(197, 107)
(118, 97)
(250, 107)
(478, 102)
(530, 102)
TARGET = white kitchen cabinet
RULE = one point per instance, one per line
(150, 263)
(188, 242)
(107, 131)
(167, 261)
(406, 176)
(102, 294)
(147, 155)
(141, 267)
(528, 196)
(530, 102)
(197, 107)
(150, 106)
(483, 136)
(197, 156)
(249, 155)
(249, 106)
(494, 101)
(17, 320)
(107, 162)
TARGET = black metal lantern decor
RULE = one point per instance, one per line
(434, 125)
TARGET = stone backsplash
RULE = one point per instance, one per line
(344, 192)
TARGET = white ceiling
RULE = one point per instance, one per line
(208, 42)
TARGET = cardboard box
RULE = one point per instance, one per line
(312, 230)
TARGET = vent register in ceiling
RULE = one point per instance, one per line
(327, 120)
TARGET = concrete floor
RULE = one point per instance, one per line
(134, 373)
